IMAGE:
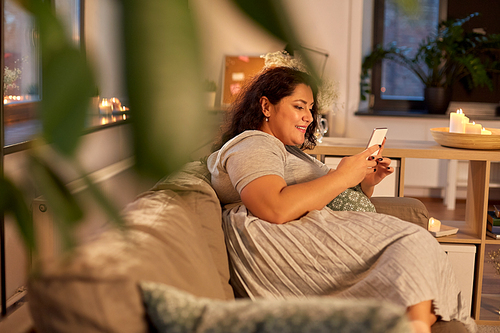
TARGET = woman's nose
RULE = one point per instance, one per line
(308, 117)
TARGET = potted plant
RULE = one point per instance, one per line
(443, 58)
(210, 91)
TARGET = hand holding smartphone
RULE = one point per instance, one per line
(377, 138)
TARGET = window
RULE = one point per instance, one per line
(393, 86)
(22, 74)
(396, 88)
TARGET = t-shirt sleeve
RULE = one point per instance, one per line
(253, 157)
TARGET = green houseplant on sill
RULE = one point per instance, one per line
(449, 56)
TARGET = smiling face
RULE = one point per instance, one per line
(290, 117)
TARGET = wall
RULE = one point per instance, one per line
(104, 46)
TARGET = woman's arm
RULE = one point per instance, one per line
(270, 199)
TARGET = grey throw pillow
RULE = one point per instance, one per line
(172, 310)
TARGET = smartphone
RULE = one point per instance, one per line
(377, 138)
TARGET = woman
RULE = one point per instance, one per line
(284, 240)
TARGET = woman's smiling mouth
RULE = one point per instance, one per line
(301, 128)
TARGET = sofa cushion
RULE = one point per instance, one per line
(407, 209)
(96, 289)
(171, 310)
(196, 177)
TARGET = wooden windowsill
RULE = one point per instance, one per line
(414, 114)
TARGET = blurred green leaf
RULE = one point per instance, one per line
(67, 89)
(164, 82)
(12, 202)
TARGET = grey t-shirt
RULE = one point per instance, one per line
(254, 154)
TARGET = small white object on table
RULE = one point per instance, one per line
(434, 224)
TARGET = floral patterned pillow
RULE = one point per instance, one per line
(352, 199)
(172, 310)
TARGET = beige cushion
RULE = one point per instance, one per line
(407, 209)
(195, 176)
(97, 288)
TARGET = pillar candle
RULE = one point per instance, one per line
(485, 131)
(457, 122)
(473, 128)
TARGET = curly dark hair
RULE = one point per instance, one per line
(274, 83)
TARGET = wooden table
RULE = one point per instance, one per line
(473, 229)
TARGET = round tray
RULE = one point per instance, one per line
(467, 141)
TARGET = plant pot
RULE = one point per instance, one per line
(437, 99)
(210, 99)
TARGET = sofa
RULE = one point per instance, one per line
(168, 271)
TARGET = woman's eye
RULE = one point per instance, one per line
(298, 107)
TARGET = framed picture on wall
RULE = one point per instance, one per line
(237, 70)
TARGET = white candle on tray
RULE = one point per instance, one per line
(458, 121)
(485, 131)
(473, 128)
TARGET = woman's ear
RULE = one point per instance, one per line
(265, 104)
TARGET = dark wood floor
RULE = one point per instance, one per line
(437, 209)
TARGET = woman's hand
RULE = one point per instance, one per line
(356, 168)
(381, 170)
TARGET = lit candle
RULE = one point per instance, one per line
(115, 104)
(105, 107)
(434, 225)
(485, 131)
(473, 128)
(458, 121)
